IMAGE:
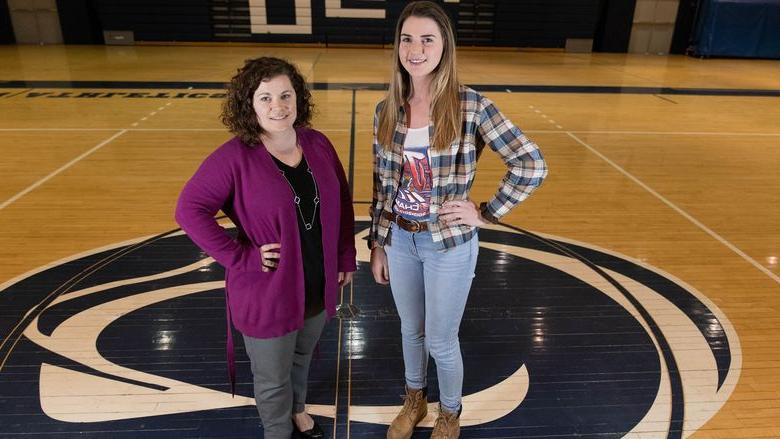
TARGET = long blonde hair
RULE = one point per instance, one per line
(445, 88)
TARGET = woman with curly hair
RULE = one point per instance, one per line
(282, 185)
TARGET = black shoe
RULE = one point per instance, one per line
(313, 433)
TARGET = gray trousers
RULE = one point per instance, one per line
(280, 367)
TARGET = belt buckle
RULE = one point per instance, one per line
(409, 225)
(414, 225)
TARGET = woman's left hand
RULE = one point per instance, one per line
(460, 212)
(344, 278)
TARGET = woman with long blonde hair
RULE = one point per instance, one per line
(428, 134)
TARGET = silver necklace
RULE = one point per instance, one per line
(297, 199)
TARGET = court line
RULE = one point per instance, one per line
(349, 356)
(65, 287)
(351, 176)
(672, 133)
(145, 129)
(136, 123)
(75, 160)
(338, 377)
(343, 130)
(351, 182)
(314, 64)
(349, 381)
(677, 409)
(674, 207)
(60, 129)
(381, 86)
(58, 170)
(656, 133)
(545, 117)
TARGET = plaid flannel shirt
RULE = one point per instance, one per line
(453, 169)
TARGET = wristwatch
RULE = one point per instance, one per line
(371, 244)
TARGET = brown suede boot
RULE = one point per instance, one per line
(415, 409)
(447, 425)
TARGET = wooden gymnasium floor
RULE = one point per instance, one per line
(636, 294)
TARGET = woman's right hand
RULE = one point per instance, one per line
(379, 266)
(269, 256)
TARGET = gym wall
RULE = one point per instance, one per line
(503, 23)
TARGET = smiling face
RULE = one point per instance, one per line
(274, 102)
(420, 46)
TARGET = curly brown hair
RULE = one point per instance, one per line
(238, 113)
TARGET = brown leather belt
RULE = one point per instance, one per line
(406, 224)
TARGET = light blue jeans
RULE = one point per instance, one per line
(430, 288)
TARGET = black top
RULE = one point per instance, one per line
(303, 185)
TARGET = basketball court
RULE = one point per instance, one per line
(636, 294)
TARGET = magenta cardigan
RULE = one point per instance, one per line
(246, 184)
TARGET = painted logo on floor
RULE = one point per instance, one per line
(558, 338)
